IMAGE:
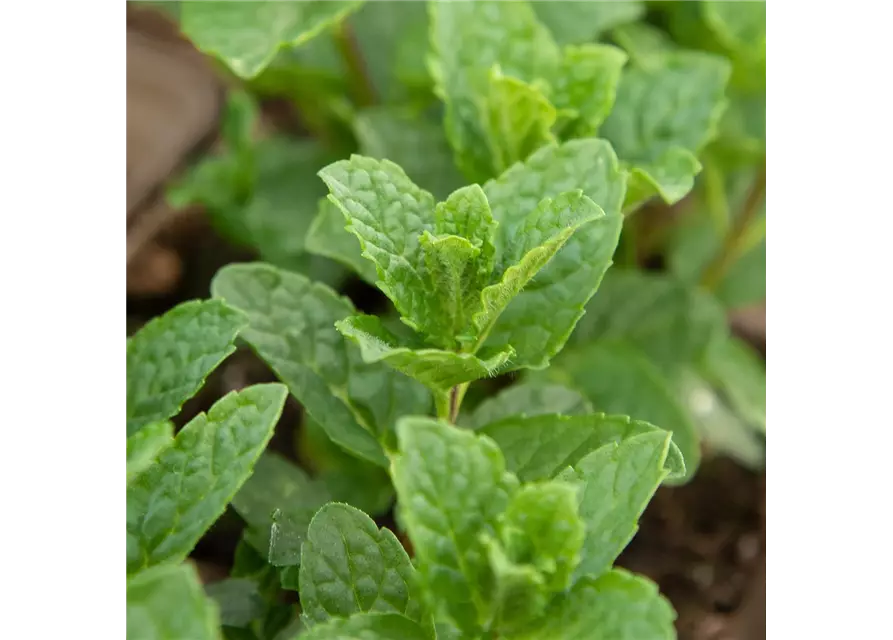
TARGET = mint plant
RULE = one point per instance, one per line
(539, 355)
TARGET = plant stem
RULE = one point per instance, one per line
(456, 395)
(713, 273)
(443, 404)
(364, 92)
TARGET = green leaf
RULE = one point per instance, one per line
(616, 606)
(721, 428)
(349, 565)
(466, 213)
(277, 484)
(667, 319)
(455, 282)
(167, 603)
(169, 358)
(452, 487)
(583, 22)
(517, 591)
(411, 140)
(368, 626)
(387, 212)
(617, 482)
(247, 35)
(666, 110)
(518, 120)
(642, 40)
(144, 446)
(437, 369)
(618, 379)
(173, 503)
(529, 399)
(586, 85)
(738, 371)
(292, 328)
(469, 39)
(573, 275)
(541, 235)
(541, 528)
(328, 237)
(239, 601)
(537, 447)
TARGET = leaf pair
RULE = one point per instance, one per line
(177, 487)
(491, 554)
(474, 275)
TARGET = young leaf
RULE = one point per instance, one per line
(541, 527)
(517, 591)
(454, 279)
(586, 85)
(410, 140)
(437, 369)
(469, 39)
(349, 565)
(574, 273)
(238, 600)
(173, 503)
(541, 236)
(169, 358)
(642, 40)
(328, 237)
(670, 321)
(144, 446)
(167, 603)
(529, 399)
(618, 379)
(247, 35)
(292, 327)
(666, 110)
(277, 484)
(584, 22)
(368, 626)
(539, 446)
(466, 213)
(615, 606)
(387, 212)
(452, 486)
(617, 481)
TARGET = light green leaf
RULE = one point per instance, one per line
(541, 527)
(247, 35)
(454, 282)
(573, 275)
(529, 399)
(438, 370)
(617, 481)
(586, 86)
(466, 213)
(738, 371)
(177, 499)
(667, 109)
(277, 484)
(387, 212)
(468, 39)
(542, 234)
(722, 429)
(328, 237)
(368, 626)
(238, 600)
(518, 120)
(169, 358)
(671, 322)
(739, 26)
(539, 446)
(292, 328)
(615, 606)
(642, 40)
(618, 379)
(415, 142)
(167, 603)
(583, 22)
(349, 565)
(452, 487)
(144, 446)
(671, 176)
(517, 591)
